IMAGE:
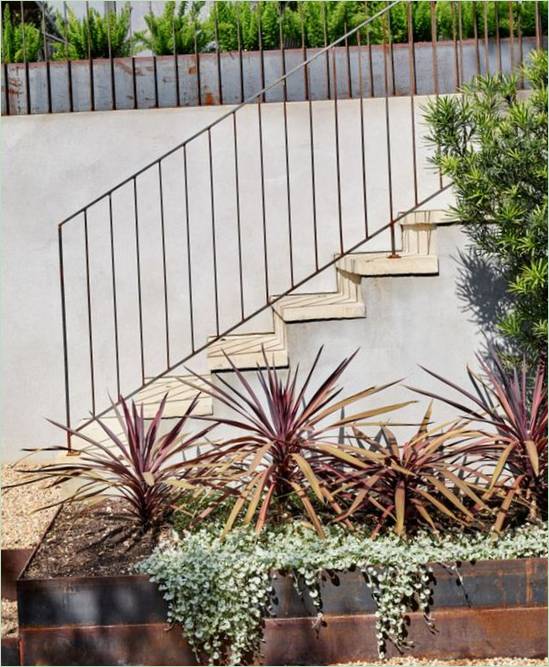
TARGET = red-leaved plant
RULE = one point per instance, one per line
(137, 466)
(286, 447)
(421, 481)
(513, 409)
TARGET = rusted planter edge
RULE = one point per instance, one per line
(13, 562)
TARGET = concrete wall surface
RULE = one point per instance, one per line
(55, 164)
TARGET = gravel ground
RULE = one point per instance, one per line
(21, 528)
(9, 618)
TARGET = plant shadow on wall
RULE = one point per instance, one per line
(492, 143)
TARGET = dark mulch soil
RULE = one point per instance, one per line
(79, 544)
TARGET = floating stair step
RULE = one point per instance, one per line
(380, 264)
(346, 303)
(180, 396)
(246, 350)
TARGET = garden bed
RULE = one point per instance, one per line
(495, 608)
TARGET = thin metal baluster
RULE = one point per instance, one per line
(475, 34)
(370, 60)
(25, 61)
(498, 40)
(520, 45)
(197, 68)
(65, 338)
(511, 36)
(189, 264)
(313, 178)
(362, 152)
(413, 91)
(46, 55)
(217, 53)
(263, 213)
(155, 67)
(391, 49)
(239, 234)
(88, 300)
(214, 248)
(164, 270)
(388, 136)
(434, 44)
(259, 10)
(176, 60)
(138, 263)
(338, 169)
(114, 302)
(303, 50)
(239, 40)
(92, 82)
(454, 40)
(348, 60)
(486, 42)
(134, 77)
(325, 30)
(69, 63)
(460, 37)
(109, 44)
(7, 89)
(538, 25)
(286, 148)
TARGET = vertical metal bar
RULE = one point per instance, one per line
(197, 69)
(388, 137)
(92, 83)
(475, 35)
(325, 30)
(88, 300)
(7, 89)
(303, 51)
(176, 60)
(413, 92)
(111, 61)
(434, 44)
(362, 152)
(239, 234)
(338, 169)
(164, 269)
(217, 53)
(391, 49)
(511, 36)
(155, 68)
(460, 37)
(114, 301)
(486, 41)
(46, 55)
(454, 40)
(214, 248)
(25, 61)
(313, 175)
(240, 64)
(498, 40)
(263, 214)
(282, 50)
(65, 339)
(188, 235)
(138, 263)
(538, 25)
(370, 60)
(520, 45)
(348, 60)
(259, 9)
(134, 77)
(69, 64)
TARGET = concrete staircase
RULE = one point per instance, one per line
(417, 257)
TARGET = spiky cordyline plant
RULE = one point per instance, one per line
(503, 401)
(285, 451)
(138, 466)
(420, 482)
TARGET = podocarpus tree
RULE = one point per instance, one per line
(492, 143)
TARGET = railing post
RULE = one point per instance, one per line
(65, 344)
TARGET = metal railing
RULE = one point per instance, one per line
(200, 73)
(203, 186)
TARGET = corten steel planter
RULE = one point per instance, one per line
(497, 609)
(10, 651)
(13, 562)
